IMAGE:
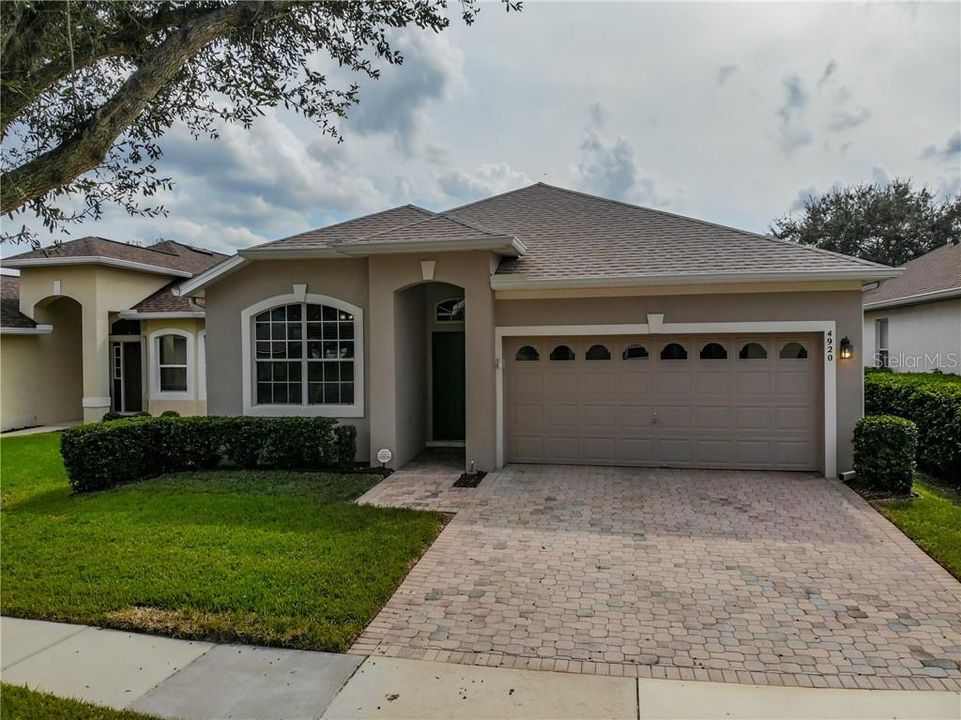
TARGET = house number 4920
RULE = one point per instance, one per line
(829, 345)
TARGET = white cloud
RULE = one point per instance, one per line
(486, 180)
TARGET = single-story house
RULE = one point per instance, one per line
(92, 325)
(913, 323)
(544, 325)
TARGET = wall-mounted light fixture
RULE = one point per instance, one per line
(847, 349)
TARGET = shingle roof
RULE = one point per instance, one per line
(352, 230)
(938, 271)
(10, 315)
(164, 301)
(572, 235)
(165, 254)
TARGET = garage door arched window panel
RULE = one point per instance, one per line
(635, 352)
(598, 352)
(451, 310)
(562, 353)
(673, 351)
(753, 351)
(307, 357)
(713, 351)
(171, 363)
(527, 353)
(793, 351)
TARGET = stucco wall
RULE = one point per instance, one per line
(410, 374)
(41, 376)
(844, 307)
(921, 338)
(345, 279)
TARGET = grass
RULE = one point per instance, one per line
(932, 520)
(20, 703)
(270, 558)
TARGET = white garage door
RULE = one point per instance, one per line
(687, 401)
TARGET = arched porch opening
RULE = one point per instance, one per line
(59, 361)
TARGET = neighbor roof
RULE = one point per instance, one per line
(10, 315)
(166, 256)
(933, 276)
(552, 237)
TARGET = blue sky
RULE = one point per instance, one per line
(730, 113)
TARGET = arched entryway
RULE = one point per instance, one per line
(430, 375)
(58, 371)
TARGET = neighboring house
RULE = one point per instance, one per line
(913, 323)
(92, 325)
(548, 326)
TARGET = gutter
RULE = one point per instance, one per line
(96, 260)
(511, 282)
(932, 296)
(38, 330)
(173, 315)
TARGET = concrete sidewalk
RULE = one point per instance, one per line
(199, 680)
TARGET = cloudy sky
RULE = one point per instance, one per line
(731, 113)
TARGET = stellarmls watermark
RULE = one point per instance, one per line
(947, 362)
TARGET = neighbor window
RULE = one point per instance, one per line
(673, 351)
(598, 352)
(562, 352)
(881, 342)
(713, 351)
(451, 310)
(172, 359)
(634, 352)
(793, 351)
(753, 351)
(304, 354)
(527, 353)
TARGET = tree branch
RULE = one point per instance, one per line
(88, 147)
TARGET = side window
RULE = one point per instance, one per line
(527, 354)
(634, 352)
(172, 359)
(713, 351)
(881, 353)
(793, 351)
(562, 352)
(753, 351)
(598, 352)
(673, 351)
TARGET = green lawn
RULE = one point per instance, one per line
(18, 703)
(932, 520)
(273, 558)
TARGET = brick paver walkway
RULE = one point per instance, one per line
(773, 578)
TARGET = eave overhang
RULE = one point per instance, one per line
(94, 260)
(933, 296)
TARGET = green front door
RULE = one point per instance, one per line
(447, 357)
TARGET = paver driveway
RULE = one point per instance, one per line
(776, 578)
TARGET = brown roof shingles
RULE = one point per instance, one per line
(936, 271)
(165, 301)
(573, 236)
(10, 315)
(166, 254)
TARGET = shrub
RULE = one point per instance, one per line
(884, 451)
(170, 413)
(933, 403)
(112, 415)
(101, 455)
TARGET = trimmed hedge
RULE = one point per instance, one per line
(884, 450)
(930, 401)
(101, 455)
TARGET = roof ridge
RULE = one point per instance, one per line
(346, 222)
(492, 197)
(434, 216)
(709, 223)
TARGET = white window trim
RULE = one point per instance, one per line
(437, 320)
(153, 349)
(354, 410)
(202, 366)
(829, 356)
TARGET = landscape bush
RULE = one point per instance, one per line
(101, 455)
(884, 453)
(933, 403)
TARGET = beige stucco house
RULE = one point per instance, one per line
(548, 326)
(913, 323)
(93, 325)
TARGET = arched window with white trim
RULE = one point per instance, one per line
(172, 364)
(303, 356)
